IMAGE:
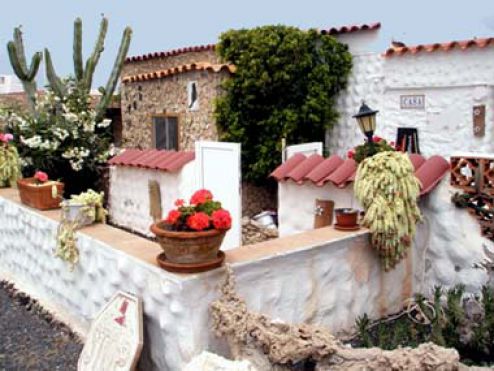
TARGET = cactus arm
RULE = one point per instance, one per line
(27, 76)
(19, 43)
(78, 67)
(94, 58)
(15, 62)
(117, 69)
(54, 81)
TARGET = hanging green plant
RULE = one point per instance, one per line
(10, 163)
(388, 190)
(90, 209)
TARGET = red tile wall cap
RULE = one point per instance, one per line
(170, 53)
(161, 74)
(431, 173)
(342, 175)
(342, 172)
(153, 159)
(352, 28)
(429, 48)
(324, 169)
(416, 160)
(282, 171)
(302, 169)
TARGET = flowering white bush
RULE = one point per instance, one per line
(62, 136)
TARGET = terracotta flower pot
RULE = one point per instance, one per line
(41, 196)
(346, 217)
(188, 247)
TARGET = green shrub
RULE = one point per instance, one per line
(285, 86)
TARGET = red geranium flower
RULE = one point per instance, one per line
(41, 176)
(221, 219)
(376, 139)
(179, 202)
(200, 197)
(198, 221)
(350, 153)
(173, 216)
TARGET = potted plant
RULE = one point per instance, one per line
(40, 192)
(346, 217)
(85, 208)
(193, 233)
(10, 164)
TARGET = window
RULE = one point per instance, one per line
(2, 80)
(165, 132)
(192, 96)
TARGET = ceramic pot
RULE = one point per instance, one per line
(188, 247)
(346, 217)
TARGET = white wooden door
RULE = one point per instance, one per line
(306, 149)
(218, 170)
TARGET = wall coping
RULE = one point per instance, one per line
(145, 251)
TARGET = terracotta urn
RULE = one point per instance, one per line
(346, 217)
(187, 247)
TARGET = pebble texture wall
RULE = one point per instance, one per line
(452, 82)
(447, 246)
(129, 194)
(321, 283)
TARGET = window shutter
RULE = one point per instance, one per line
(160, 132)
(172, 133)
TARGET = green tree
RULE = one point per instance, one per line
(285, 86)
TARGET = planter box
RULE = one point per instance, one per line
(40, 196)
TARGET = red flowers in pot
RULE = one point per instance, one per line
(192, 233)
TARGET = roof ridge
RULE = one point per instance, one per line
(188, 67)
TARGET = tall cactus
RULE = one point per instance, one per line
(27, 76)
(84, 74)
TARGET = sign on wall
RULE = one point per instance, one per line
(114, 342)
(412, 101)
(479, 121)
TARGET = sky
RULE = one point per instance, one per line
(163, 25)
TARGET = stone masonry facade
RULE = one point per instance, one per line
(168, 95)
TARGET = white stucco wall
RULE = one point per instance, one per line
(129, 194)
(448, 242)
(326, 283)
(452, 82)
(296, 204)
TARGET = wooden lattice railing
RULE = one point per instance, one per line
(475, 176)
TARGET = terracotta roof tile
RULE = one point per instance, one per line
(200, 48)
(324, 169)
(416, 160)
(431, 173)
(429, 48)
(170, 53)
(153, 159)
(305, 167)
(340, 172)
(352, 28)
(160, 74)
(282, 171)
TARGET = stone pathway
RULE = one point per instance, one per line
(29, 337)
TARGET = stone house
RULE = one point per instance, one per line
(168, 100)
(168, 97)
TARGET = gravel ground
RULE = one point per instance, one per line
(30, 339)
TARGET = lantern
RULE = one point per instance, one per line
(366, 118)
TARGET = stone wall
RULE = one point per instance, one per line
(258, 198)
(140, 100)
(163, 63)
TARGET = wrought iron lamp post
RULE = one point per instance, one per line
(366, 118)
